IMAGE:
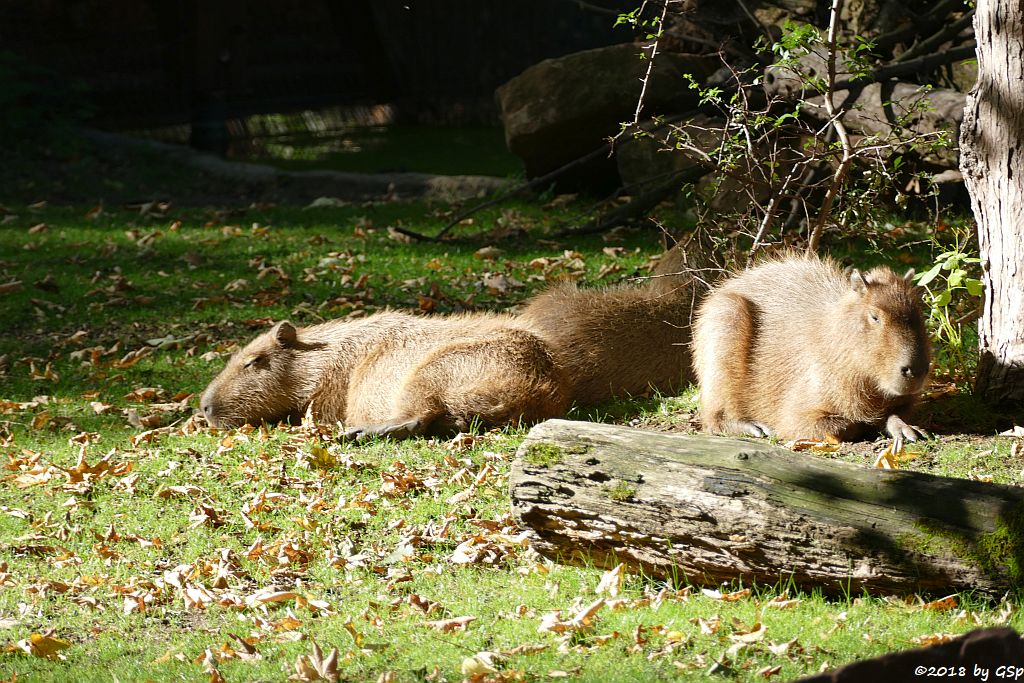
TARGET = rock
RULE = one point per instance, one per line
(650, 157)
(660, 152)
(561, 109)
(980, 655)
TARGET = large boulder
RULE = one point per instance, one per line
(561, 109)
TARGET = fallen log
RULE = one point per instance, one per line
(705, 509)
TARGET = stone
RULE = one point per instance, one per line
(564, 108)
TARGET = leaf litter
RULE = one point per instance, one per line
(293, 525)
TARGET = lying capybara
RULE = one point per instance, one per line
(628, 339)
(795, 347)
(400, 375)
(391, 374)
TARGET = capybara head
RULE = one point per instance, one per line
(886, 333)
(267, 381)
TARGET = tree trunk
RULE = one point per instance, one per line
(710, 509)
(992, 147)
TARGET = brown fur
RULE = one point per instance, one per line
(624, 340)
(391, 374)
(398, 374)
(796, 348)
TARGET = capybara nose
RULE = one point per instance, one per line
(207, 408)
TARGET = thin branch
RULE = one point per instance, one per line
(934, 16)
(650, 65)
(925, 63)
(755, 21)
(844, 139)
(773, 206)
(590, 7)
(522, 187)
(639, 205)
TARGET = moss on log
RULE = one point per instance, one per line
(709, 509)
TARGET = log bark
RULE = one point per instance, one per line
(706, 509)
(992, 144)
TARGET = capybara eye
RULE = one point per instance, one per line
(873, 316)
(251, 362)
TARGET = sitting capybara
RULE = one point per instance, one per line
(796, 348)
(391, 374)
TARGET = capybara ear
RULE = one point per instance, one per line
(858, 281)
(285, 334)
(909, 275)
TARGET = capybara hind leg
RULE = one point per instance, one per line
(506, 377)
(723, 335)
(746, 427)
(399, 430)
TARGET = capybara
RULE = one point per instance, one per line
(796, 348)
(391, 374)
(624, 340)
(399, 375)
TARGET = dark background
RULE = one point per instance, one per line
(157, 63)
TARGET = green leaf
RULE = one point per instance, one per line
(974, 287)
(942, 299)
(929, 275)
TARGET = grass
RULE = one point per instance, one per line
(190, 551)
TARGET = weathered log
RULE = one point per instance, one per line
(708, 509)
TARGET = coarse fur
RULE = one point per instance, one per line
(628, 339)
(391, 374)
(797, 348)
(619, 341)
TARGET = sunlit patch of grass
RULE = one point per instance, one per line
(144, 570)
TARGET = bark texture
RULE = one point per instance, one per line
(709, 509)
(991, 151)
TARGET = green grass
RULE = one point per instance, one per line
(143, 567)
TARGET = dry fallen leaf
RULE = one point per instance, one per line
(43, 645)
(611, 581)
(449, 625)
(933, 639)
(784, 648)
(782, 602)
(886, 460)
(943, 604)
(751, 635)
(813, 446)
(480, 664)
(726, 597)
(487, 253)
(316, 667)
(100, 408)
(708, 626)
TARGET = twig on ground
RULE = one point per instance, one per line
(639, 205)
